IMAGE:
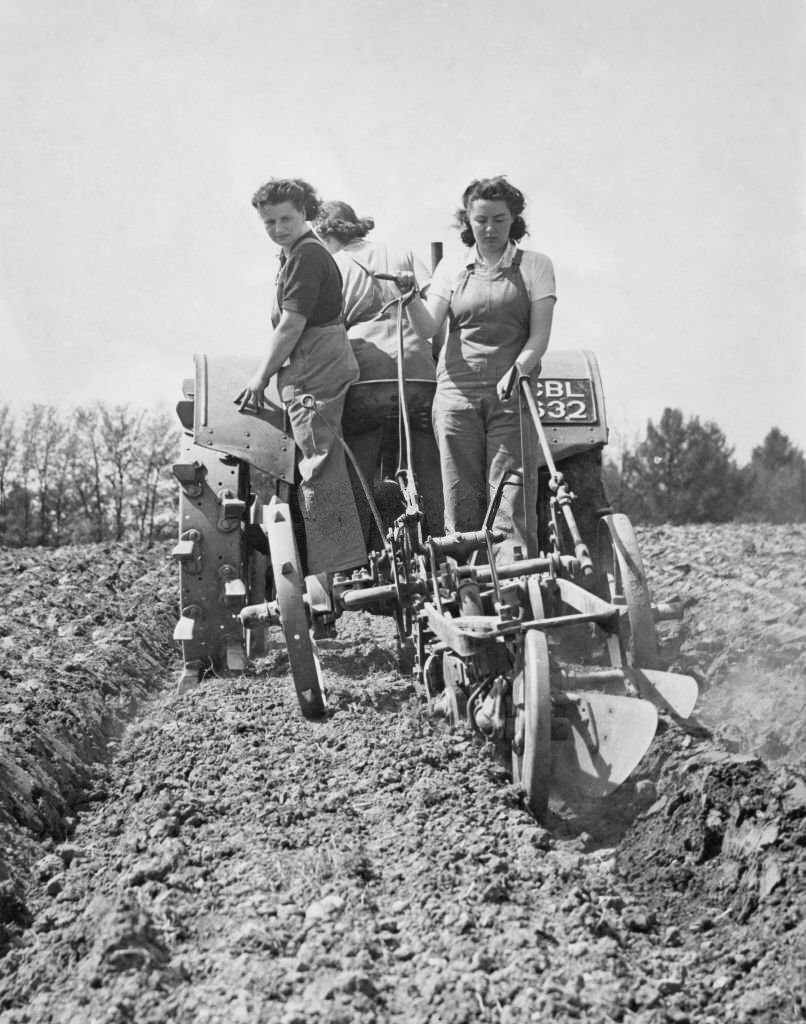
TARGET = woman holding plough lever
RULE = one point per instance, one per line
(500, 301)
(370, 316)
(315, 366)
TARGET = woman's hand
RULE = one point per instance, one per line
(283, 340)
(405, 281)
(507, 385)
(253, 394)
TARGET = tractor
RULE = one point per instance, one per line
(551, 656)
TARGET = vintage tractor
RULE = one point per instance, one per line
(552, 656)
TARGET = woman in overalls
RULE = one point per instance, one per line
(310, 354)
(501, 301)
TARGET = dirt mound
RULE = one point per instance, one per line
(744, 631)
(225, 860)
(84, 638)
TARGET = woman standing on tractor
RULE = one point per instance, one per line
(374, 339)
(500, 299)
(310, 354)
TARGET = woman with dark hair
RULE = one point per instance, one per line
(311, 356)
(370, 416)
(500, 301)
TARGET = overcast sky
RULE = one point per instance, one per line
(660, 146)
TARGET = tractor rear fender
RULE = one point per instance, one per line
(571, 403)
(259, 438)
(569, 392)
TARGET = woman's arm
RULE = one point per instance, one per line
(283, 340)
(540, 317)
(427, 317)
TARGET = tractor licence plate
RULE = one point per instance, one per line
(565, 401)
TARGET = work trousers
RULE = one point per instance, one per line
(371, 429)
(479, 439)
(313, 387)
(367, 446)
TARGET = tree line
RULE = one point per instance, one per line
(92, 474)
(103, 473)
(683, 471)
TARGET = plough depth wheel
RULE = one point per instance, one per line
(289, 585)
(531, 747)
(619, 560)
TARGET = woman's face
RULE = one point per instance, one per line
(284, 223)
(490, 221)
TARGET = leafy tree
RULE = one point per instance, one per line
(155, 488)
(65, 504)
(682, 472)
(40, 434)
(87, 473)
(18, 506)
(120, 436)
(8, 449)
(774, 482)
(95, 473)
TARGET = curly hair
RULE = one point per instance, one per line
(288, 190)
(339, 220)
(492, 188)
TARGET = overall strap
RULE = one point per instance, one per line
(310, 239)
(515, 268)
(464, 277)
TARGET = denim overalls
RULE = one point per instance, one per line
(479, 436)
(323, 366)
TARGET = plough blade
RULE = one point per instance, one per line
(606, 737)
(668, 691)
(318, 596)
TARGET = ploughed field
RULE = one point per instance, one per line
(210, 856)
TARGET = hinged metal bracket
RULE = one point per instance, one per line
(232, 510)
(234, 586)
(188, 552)
(191, 477)
(188, 623)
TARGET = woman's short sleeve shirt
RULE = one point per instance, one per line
(536, 269)
(364, 296)
(309, 282)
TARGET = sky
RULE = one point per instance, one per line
(660, 147)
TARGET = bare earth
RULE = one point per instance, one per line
(212, 857)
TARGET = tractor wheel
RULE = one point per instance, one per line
(289, 585)
(531, 744)
(623, 582)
